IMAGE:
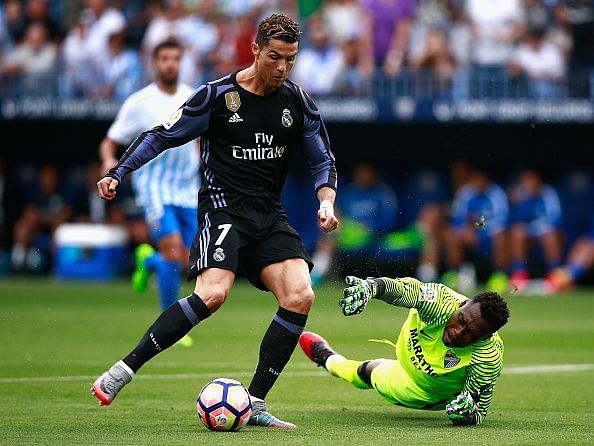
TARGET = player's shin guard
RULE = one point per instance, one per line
(172, 325)
(276, 348)
(347, 370)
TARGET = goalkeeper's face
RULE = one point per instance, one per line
(466, 326)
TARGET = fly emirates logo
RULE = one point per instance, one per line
(264, 150)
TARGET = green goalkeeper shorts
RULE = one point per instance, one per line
(392, 382)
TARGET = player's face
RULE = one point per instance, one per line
(166, 65)
(466, 326)
(275, 61)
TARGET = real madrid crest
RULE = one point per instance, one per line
(286, 118)
(232, 101)
(219, 255)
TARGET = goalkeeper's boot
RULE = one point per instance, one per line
(107, 386)
(261, 417)
(141, 275)
(316, 347)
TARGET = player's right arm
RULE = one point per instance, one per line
(434, 302)
(189, 122)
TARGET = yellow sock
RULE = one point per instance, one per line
(346, 369)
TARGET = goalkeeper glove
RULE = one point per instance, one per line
(357, 294)
(463, 409)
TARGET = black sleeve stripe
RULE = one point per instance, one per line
(198, 103)
(309, 108)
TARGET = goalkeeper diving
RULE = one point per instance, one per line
(448, 354)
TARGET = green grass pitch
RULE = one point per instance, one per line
(55, 338)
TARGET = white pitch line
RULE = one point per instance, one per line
(36, 379)
(520, 370)
(547, 369)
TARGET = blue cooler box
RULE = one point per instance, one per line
(90, 251)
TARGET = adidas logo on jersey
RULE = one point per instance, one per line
(235, 118)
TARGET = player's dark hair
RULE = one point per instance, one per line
(169, 43)
(277, 26)
(493, 309)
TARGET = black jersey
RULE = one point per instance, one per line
(246, 141)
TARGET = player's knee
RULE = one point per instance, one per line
(174, 252)
(214, 298)
(300, 299)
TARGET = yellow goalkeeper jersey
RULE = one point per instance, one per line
(439, 370)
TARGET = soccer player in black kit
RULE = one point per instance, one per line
(249, 123)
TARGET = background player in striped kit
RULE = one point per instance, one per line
(448, 353)
(250, 122)
(166, 189)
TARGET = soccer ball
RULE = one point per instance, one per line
(224, 405)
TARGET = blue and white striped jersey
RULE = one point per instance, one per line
(173, 178)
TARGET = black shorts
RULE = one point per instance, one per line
(246, 236)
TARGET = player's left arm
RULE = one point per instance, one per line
(434, 301)
(320, 160)
(470, 407)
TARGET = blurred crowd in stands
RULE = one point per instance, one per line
(458, 225)
(446, 223)
(439, 48)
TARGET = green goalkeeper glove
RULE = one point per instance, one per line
(357, 294)
(463, 409)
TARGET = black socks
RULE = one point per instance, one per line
(276, 348)
(172, 325)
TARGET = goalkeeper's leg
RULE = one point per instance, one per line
(358, 373)
(348, 370)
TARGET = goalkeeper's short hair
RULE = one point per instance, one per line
(493, 309)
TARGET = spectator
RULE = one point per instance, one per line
(100, 21)
(320, 62)
(429, 14)
(78, 76)
(434, 57)
(479, 216)
(197, 36)
(496, 26)
(32, 60)
(535, 217)
(39, 11)
(122, 75)
(536, 15)
(350, 80)
(579, 14)
(559, 31)
(245, 35)
(385, 35)
(86, 47)
(342, 19)
(540, 63)
(14, 20)
(39, 219)
(369, 209)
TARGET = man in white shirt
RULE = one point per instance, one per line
(163, 187)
